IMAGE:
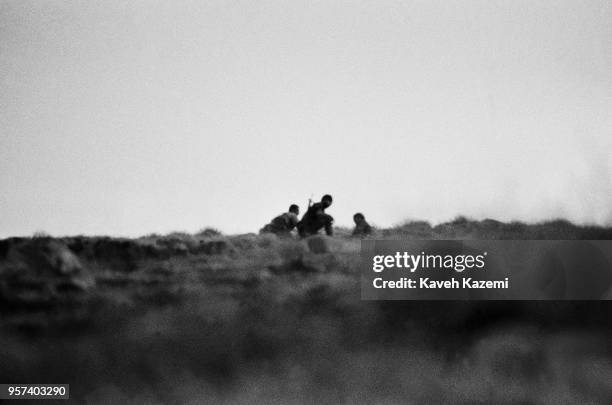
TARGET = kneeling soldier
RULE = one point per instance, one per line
(316, 219)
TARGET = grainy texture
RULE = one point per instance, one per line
(250, 319)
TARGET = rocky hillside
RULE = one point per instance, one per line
(191, 318)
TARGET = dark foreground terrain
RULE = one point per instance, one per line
(208, 318)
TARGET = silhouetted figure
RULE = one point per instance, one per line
(283, 224)
(362, 228)
(316, 219)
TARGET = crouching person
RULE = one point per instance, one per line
(316, 219)
(283, 224)
(362, 228)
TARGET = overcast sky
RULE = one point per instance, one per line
(132, 117)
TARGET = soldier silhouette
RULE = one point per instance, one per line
(362, 228)
(316, 219)
(283, 224)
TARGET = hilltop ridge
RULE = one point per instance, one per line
(194, 314)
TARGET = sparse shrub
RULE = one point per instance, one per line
(208, 232)
(460, 220)
(40, 234)
(179, 235)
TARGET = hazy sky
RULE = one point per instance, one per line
(131, 117)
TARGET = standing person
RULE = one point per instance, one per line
(283, 224)
(362, 228)
(316, 219)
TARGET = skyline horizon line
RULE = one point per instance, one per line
(408, 221)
